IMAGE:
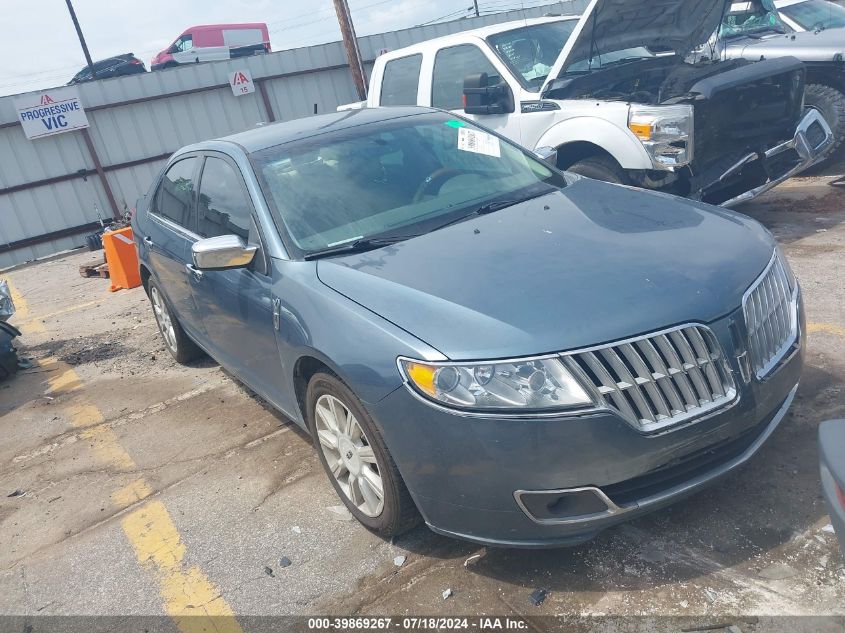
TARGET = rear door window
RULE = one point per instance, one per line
(175, 196)
(400, 81)
(451, 65)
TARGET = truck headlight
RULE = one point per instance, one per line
(666, 132)
(505, 386)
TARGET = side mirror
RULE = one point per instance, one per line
(547, 154)
(223, 251)
(173, 49)
(482, 98)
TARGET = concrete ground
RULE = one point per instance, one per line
(138, 486)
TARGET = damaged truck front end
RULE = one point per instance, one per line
(718, 131)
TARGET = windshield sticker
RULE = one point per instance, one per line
(478, 142)
(455, 123)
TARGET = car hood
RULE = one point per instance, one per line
(612, 25)
(809, 46)
(590, 264)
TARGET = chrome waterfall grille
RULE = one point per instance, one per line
(659, 380)
(771, 316)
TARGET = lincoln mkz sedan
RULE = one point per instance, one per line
(516, 355)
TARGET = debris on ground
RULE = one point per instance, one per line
(296, 529)
(7, 306)
(8, 354)
(284, 561)
(777, 571)
(828, 528)
(25, 363)
(341, 513)
(733, 628)
(16, 493)
(538, 596)
(399, 560)
(269, 572)
(472, 560)
(447, 593)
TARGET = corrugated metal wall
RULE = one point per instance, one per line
(136, 121)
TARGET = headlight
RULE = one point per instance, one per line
(666, 132)
(530, 384)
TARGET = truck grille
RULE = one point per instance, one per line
(771, 317)
(661, 379)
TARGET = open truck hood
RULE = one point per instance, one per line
(612, 25)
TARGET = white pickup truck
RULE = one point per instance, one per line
(613, 94)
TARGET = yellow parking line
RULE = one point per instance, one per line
(828, 328)
(190, 598)
(22, 314)
(186, 591)
(31, 320)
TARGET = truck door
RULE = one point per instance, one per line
(451, 66)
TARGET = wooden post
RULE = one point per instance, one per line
(101, 173)
(350, 42)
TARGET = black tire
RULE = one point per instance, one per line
(830, 103)
(179, 344)
(399, 513)
(600, 168)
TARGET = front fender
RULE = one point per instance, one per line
(620, 143)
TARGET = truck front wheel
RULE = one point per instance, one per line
(600, 168)
(830, 102)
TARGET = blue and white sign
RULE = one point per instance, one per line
(51, 112)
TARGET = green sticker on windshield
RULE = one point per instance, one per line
(455, 123)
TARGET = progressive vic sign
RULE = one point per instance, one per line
(51, 113)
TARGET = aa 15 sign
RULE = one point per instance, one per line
(52, 112)
(241, 82)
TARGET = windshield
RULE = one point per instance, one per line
(400, 177)
(816, 14)
(531, 51)
(751, 18)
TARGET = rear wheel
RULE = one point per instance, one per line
(182, 348)
(830, 103)
(600, 168)
(356, 460)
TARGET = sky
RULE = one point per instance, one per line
(39, 48)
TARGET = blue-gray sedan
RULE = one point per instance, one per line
(515, 355)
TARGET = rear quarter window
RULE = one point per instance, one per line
(400, 81)
(174, 197)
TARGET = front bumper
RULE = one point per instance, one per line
(813, 139)
(471, 477)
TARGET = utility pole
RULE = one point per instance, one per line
(350, 42)
(81, 39)
(475, 6)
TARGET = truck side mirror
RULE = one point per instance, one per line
(482, 98)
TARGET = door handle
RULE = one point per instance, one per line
(194, 272)
(148, 240)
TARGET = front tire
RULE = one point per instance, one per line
(830, 103)
(180, 346)
(600, 168)
(356, 460)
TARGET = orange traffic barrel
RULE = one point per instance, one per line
(122, 258)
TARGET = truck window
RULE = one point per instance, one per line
(400, 81)
(531, 51)
(451, 65)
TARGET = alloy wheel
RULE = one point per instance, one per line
(165, 322)
(349, 455)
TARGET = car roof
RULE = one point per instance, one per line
(265, 136)
(480, 33)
